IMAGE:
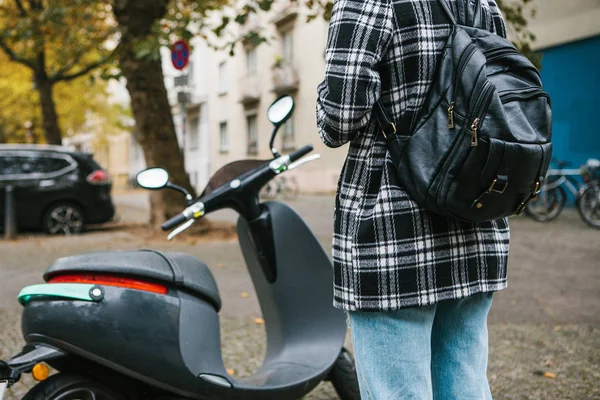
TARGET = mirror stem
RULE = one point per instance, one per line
(178, 188)
(272, 142)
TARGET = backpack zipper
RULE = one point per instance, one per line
(480, 109)
(462, 64)
(524, 95)
(451, 116)
(491, 55)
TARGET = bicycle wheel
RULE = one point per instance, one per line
(547, 205)
(588, 204)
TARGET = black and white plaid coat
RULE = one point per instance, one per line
(389, 253)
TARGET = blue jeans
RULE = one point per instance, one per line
(436, 352)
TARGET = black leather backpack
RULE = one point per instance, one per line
(481, 147)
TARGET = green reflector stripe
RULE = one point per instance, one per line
(77, 291)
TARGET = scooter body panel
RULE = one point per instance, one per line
(305, 333)
(165, 341)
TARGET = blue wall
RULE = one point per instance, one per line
(571, 75)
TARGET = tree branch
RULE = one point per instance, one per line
(56, 78)
(11, 54)
(68, 66)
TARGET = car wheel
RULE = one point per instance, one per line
(63, 218)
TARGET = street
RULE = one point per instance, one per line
(546, 322)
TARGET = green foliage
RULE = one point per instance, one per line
(63, 39)
(82, 104)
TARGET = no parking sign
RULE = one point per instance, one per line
(180, 54)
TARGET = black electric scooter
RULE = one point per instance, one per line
(145, 324)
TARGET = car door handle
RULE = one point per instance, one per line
(47, 182)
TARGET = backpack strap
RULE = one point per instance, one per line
(448, 11)
(476, 18)
(470, 17)
(388, 128)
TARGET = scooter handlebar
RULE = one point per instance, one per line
(300, 152)
(173, 222)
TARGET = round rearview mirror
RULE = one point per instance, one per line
(153, 178)
(281, 109)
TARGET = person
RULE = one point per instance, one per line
(417, 286)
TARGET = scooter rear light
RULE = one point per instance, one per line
(98, 177)
(108, 280)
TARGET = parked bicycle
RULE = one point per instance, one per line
(548, 205)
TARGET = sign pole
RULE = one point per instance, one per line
(10, 221)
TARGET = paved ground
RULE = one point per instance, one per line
(547, 321)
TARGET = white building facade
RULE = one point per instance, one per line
(225, 116)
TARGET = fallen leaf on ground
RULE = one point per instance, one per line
(219, 265)
(549, 375)
(244, 295)
(230, 371)
(259, 321)
(557, 328)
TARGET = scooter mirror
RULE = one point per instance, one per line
(153, 178)
(280, 110)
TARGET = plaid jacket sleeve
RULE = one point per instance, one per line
(359, 34)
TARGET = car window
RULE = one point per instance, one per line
(51, 164)
(16, 166)
(8, 165)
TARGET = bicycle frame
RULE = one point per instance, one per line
(566, 178)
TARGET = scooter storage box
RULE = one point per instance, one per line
(132, 311)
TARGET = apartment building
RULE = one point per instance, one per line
(221, 116)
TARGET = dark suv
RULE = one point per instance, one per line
(55, 189)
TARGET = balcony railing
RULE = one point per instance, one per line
(285, 78)
(249, 89)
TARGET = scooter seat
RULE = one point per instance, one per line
(177, 270)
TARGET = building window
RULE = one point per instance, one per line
(223, 78)
(223, 138)
(194, 134)
(288, 141)
(251, 61)
(287, 39)
(252, 134)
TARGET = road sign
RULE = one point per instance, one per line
(180, 54)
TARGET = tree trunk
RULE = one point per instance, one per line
(49, 116)
(155, 131)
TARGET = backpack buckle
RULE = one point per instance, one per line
(500, 180)
(393, 126)
(537, 190)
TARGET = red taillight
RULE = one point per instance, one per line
(111, 281)
(98, 177)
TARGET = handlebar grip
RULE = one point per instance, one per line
(301, 152)
(173, 222)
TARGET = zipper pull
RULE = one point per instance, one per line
(474, 128)
(451, 116)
